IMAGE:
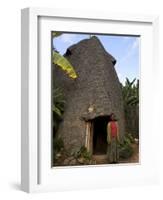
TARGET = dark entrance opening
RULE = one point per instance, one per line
(100, 135)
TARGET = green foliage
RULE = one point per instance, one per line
(130, 92)
(58, 144)
(83, 153)
(126, 151)
(130, 137)
(61, 61)
(125, 148)
(64, 64)
(56, 34)
(57, 106)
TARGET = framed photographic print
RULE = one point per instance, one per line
(87, 109)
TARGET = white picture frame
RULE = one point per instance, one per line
(36, 171)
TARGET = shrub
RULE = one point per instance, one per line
(126, 151)
(83, 153)
(125, 148)
(58, 144)
(58, 106)
(130, 137)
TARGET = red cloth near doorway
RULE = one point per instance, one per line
(113, 127)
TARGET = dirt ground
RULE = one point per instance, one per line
(102, 159)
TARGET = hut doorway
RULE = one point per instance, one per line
(100, 135)
(96, 135)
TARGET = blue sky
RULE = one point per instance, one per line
(125, 50)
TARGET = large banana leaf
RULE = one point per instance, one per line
(57, 111)
(64, 64)
(56, 34)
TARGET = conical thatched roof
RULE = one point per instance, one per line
(96, 91)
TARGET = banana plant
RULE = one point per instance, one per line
(56, 34)
(58, 96)
(62, 62)
(130, 92)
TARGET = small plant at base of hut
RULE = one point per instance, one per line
(58, 146)
(130, 137)
(83, 156)
(125, 148)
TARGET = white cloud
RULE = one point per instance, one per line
(126, 38)
(131, 50)
(121, 77)
(135, 44)
(68, 38)
(119, 74)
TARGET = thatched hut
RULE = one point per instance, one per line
(90, 98)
